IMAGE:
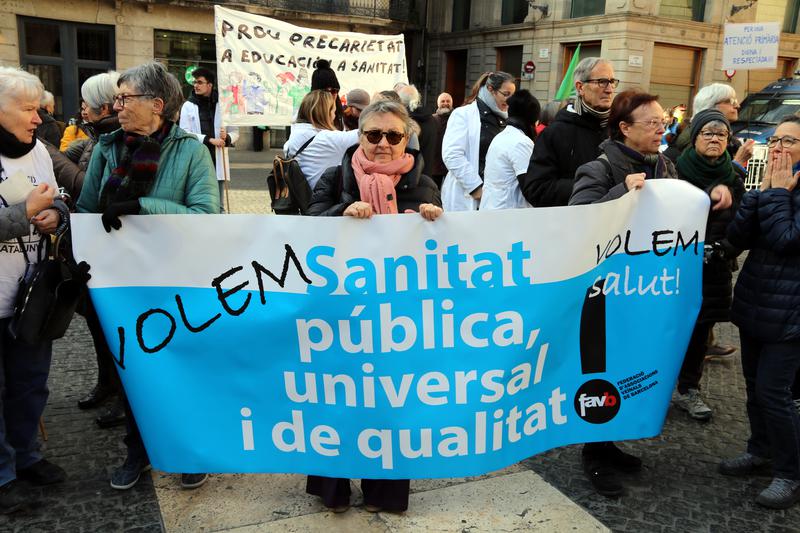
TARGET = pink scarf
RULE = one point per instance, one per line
(376, 181)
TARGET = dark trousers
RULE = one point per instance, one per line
(769, 371)
(694, 359)
(24, 369)
(388, 494)
(106, 373)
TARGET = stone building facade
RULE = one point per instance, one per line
(668, 47)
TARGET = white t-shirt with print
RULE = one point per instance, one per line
(38, 167)
(507, 157)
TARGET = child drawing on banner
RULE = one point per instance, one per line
(255, 95)
(231, 94)
(288, 92)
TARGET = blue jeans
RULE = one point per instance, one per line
(24, 369)
(769, 371)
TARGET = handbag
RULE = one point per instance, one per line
(48, 293)
(288, 187)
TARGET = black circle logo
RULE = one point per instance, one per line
(597, 401)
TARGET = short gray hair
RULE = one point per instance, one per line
(584, 68)
(409, 96)
(387, 106)
(18, 84)
(153, 78)
(47, 99)
(98, 90)
(710, 95)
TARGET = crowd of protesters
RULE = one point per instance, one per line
(138, 148)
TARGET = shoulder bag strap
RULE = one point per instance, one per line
(305, 144)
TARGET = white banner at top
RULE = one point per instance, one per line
(264, 65)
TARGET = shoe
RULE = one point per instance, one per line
(96, 397)
(743, 465)
(114, 417)
(781, 494)
(126, 476)
(340, 509)
(192, 481)
(622, 461)
(373, 508)
(602, 477)
(42, 472)
(692, 403)
(12, 498)
(720, 350)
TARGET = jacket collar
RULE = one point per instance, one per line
(176, 133)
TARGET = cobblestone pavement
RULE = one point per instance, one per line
(678, 489)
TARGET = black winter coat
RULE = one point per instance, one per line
(428, 135)
(337, 188)
(718, 267)
(567, 143)
(766, 300)
(598, 181)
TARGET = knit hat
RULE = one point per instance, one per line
(358, 98)
(324, 77)
(704, 117)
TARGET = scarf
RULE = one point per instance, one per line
(651, 164)
(11, 147)
(136, 173)
(376, 181)
(486, 97)
(704, 174)
(582, 107)
(520, 124)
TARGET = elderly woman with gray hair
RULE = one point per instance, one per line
(470, 130)
(381, 176)
(148, 167)
(98, 101)
(25, 213)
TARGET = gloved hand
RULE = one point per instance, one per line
(112, 213)
(81, 272)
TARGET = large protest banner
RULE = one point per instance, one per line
(264, 65)
(395, 347)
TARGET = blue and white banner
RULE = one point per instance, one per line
(396, 347)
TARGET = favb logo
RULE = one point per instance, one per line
(597, 401)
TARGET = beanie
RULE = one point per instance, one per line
(324, 77)
(704, 117)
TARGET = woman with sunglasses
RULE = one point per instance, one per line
(315, 120)
(378, 176)
(765, 308)
(707, 165)
(470, 130)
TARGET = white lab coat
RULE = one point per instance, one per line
(507, 157)
(460, 147)
(190, 122)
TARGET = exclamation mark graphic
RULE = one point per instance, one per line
(593, 330)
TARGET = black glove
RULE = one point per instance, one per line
(112, 213)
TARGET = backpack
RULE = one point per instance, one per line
(288, 186)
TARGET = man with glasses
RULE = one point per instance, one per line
(573, 137)
(201, 116)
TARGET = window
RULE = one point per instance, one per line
(180, 50)
(461, 10)
(675, 80)
(509, 59)
(63, 55)
(514, 11)
(791, 22)
(587, 8)
(683, 9)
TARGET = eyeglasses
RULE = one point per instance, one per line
(506, 94)
(605, 82)
(120, 98)
(392, 137)
(733, 101)
(652, 124)
(787, 141)
(333, 90)
(708, 135)
(199, 82)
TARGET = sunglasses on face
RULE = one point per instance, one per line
(733, 101)
(392, 137)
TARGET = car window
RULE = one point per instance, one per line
(770, 110)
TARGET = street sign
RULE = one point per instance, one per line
(729, 73)
(529, 67)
